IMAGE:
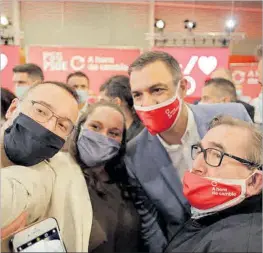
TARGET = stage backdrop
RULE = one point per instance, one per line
(245, 77)
(197, 64)
(98, 63)
(9, 57)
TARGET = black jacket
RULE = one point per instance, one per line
(236, 229)
(250, 109)
(135, 128)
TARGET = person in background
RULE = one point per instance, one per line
(25, 76)
(224, 188)
(6, 99)
(222, 73)
(258, 102)
(46, 183)
(80, 82)
(220, 90)
(117, 89)
(158, 157)
(98, 146)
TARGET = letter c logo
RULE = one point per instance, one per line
(214, 183)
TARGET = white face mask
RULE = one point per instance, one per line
(241, 195)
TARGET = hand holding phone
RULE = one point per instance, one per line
(40, 237)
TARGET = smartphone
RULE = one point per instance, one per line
(40, 237)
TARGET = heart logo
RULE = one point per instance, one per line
(207, 64)
(3, 61)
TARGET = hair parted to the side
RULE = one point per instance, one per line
(155, 56)
(63, 86)
(114, 167)
(33, 70)
(255, 143)
(77, 73)
(224, 87)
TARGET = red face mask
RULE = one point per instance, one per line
(159, 118)
(213, 194)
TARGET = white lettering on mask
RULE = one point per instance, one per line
(222, 192)
(171, 113)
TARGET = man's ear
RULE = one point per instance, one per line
(12, 109)
(182, 89)
(117, 101)
(254, 184)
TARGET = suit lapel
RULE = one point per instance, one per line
(168, 173)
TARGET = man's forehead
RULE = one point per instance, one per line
(20, 75)
(227, 136)
(79, 79)
(151, 73)
(51, 94)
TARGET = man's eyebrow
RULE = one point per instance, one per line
(217, 145)
(45, 104)
(49, 106)
(152, 86)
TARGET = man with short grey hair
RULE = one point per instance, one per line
(224, 188)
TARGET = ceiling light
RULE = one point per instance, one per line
(189, 24)
(4, 20)
(160, 24)
(230, 25)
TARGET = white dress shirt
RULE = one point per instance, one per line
(258, 104)
(180, 154)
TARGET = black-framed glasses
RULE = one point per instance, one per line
(42, 114)
(214, 157)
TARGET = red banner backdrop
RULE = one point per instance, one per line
(197, 64)
(9, 58)
(245, 76)
(98, 63)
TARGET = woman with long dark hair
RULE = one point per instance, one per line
(98, 146)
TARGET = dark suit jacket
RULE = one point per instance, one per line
(158, 189)
(250, 109)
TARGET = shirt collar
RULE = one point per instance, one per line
(187, 134)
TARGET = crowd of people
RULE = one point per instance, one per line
(137, 170)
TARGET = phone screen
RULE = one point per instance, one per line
(47, 242)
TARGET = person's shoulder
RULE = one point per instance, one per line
(218, 107)
(242, 231)
(64, 163)
(212, 110)
(140, 139)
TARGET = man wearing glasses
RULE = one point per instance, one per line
(46, 184)
(38, 124)
(158, 157)
(224, 189)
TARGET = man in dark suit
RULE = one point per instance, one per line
(159, 156)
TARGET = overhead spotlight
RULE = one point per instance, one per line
(225, 42)
(4, 20)
(189, 24)
(214, 41)
(159, 24)
(230, 25)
